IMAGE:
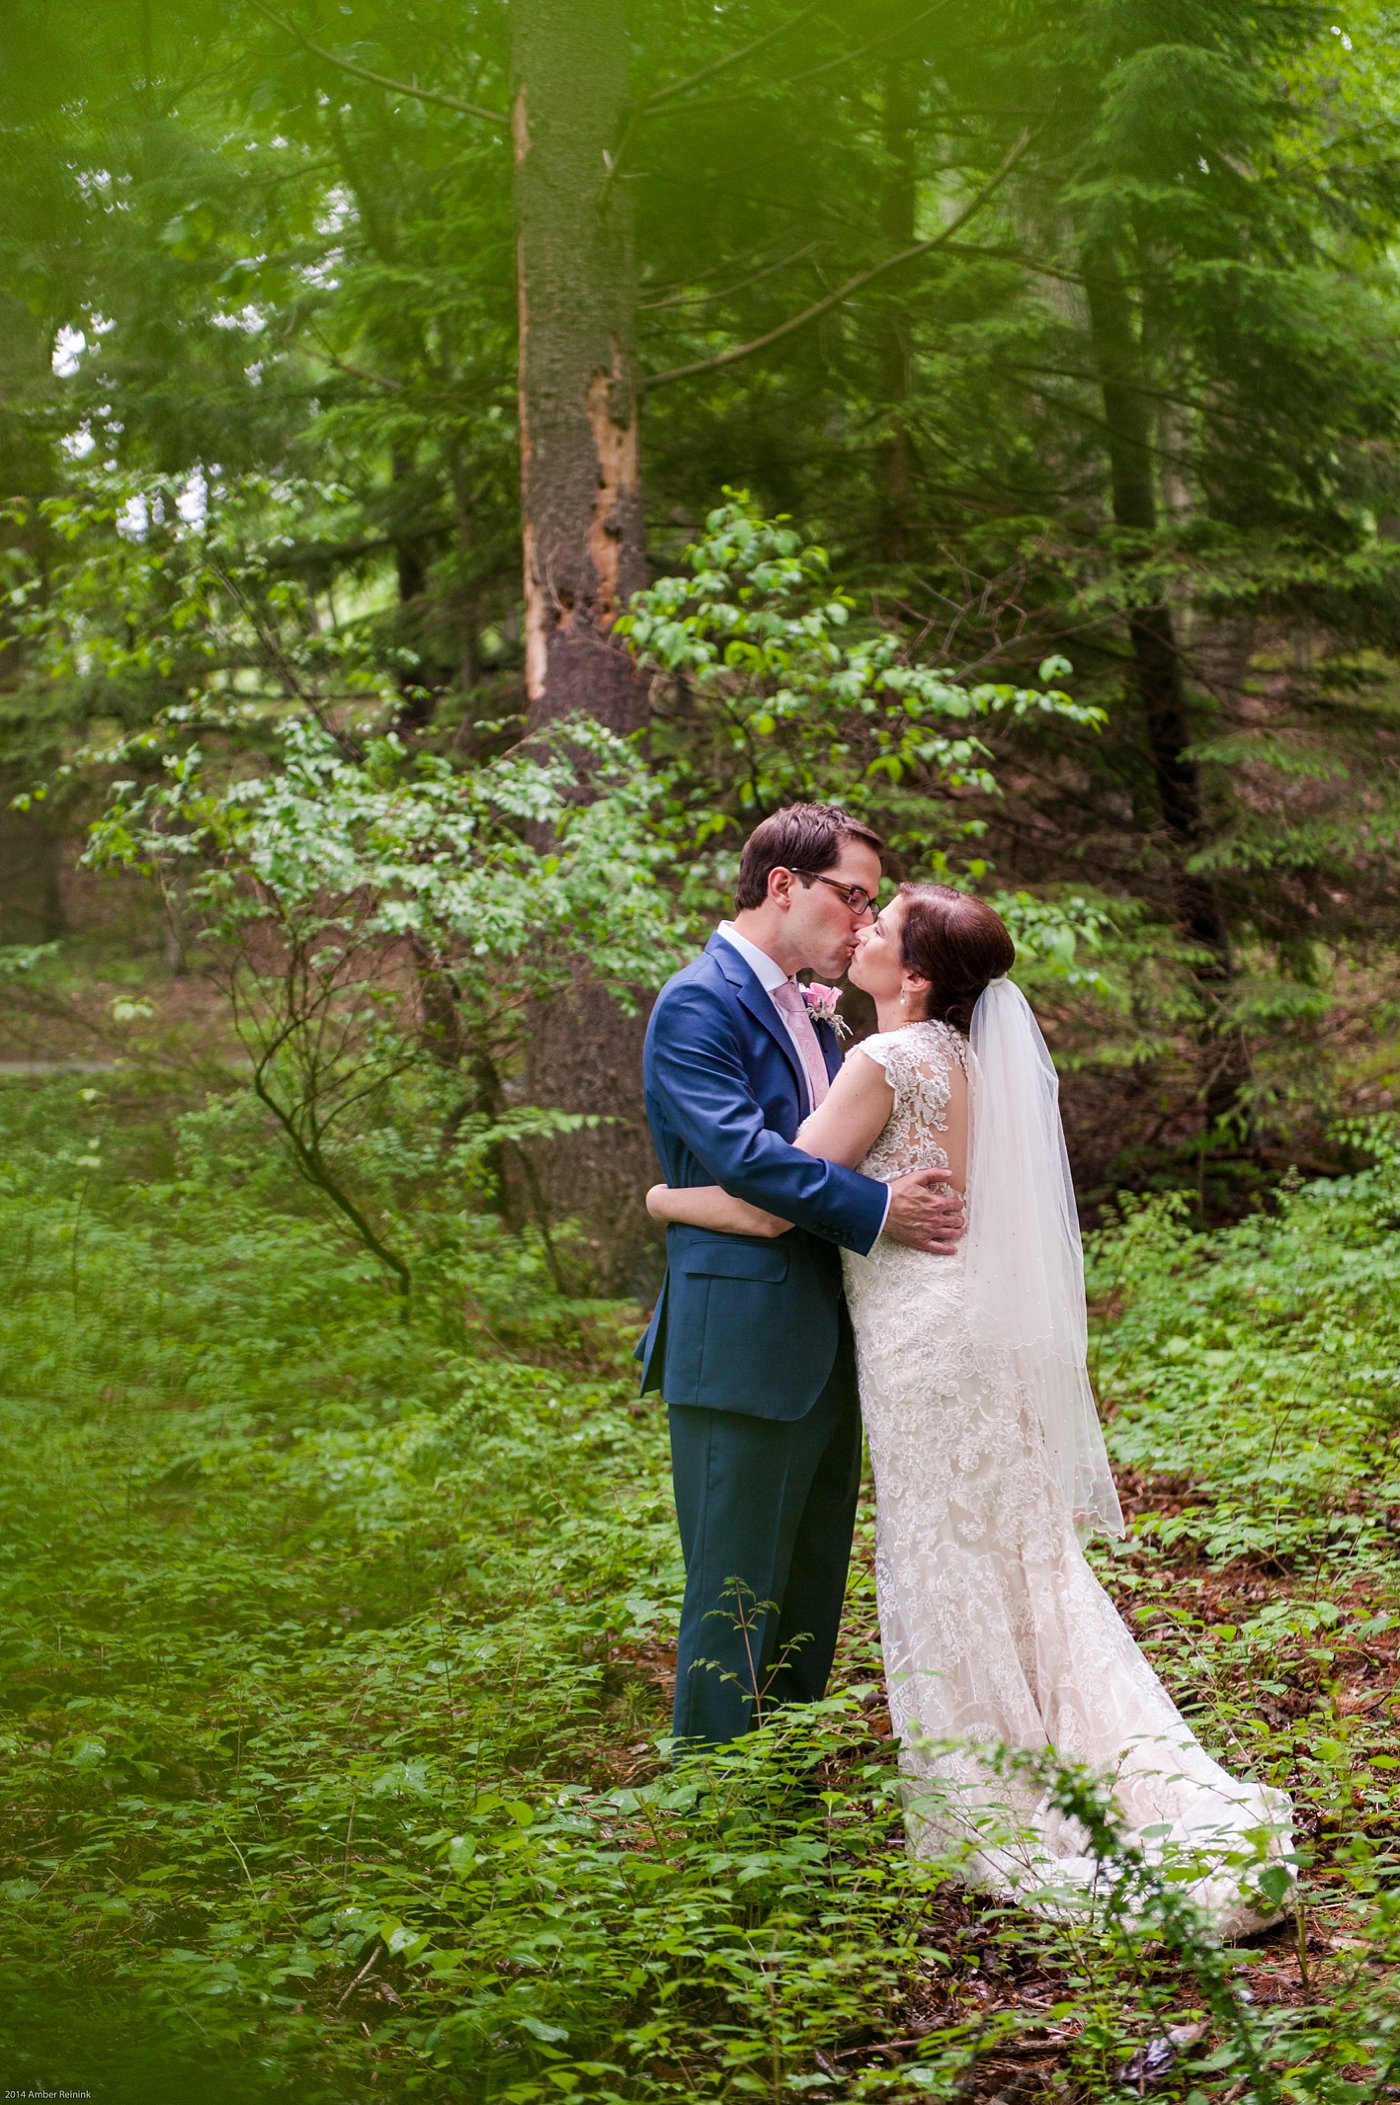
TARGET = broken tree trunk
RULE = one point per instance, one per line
(584, 548)
(579, 455)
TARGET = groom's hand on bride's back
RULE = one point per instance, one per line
(925, 1212)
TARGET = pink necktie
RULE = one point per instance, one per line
(788, 998)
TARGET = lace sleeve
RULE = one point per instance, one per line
(916, 1062)
(891, 1052)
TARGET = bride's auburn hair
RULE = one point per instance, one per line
(957, 944)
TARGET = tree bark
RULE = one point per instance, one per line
(419, 704)
(1156, 660)
(31, 853)
(584, 550)
(580, 467)
(31, 905)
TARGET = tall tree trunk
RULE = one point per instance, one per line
(897, 216)
(31, 906)
(1156, 660)
(419, 705)
(31, 854)
(579, 448)
(584, 549)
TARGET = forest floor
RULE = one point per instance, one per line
(336, 1658)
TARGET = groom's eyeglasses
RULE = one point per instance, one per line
(858, 900)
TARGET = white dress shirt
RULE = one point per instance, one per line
(770, 975)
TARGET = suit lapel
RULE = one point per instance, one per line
(831, 1050)
(758, 1003)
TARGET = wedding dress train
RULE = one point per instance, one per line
(993, 1626)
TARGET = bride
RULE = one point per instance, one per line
(988, 1459)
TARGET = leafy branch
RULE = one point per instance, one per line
(852, 285)
(730, 58)
(377, 80)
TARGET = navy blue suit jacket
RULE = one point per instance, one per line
(745, 1323)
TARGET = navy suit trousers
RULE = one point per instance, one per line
(767, 1511)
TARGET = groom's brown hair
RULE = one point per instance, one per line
(807, 838)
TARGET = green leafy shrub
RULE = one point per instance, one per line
(371, 911)
(334, 1654)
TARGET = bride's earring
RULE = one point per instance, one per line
(904, 997)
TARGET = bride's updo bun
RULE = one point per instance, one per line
(957, 944)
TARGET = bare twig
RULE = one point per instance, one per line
(278, 662)
(304, 1126)
(708, 299)
(844, 58)
(847, 58)
(700, 277)
(379, 80)
(357, 372)
(364, 1973)
(731, 58)
(614, 160)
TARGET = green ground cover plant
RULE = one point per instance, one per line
(334, 1653)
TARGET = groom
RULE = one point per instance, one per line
(750, 1342)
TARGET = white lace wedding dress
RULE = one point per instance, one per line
(993, 1626)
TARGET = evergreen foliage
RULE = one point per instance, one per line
(1070, 335)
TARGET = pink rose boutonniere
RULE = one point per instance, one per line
(823, 1006)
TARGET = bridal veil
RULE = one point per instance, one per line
(1025, 1260)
